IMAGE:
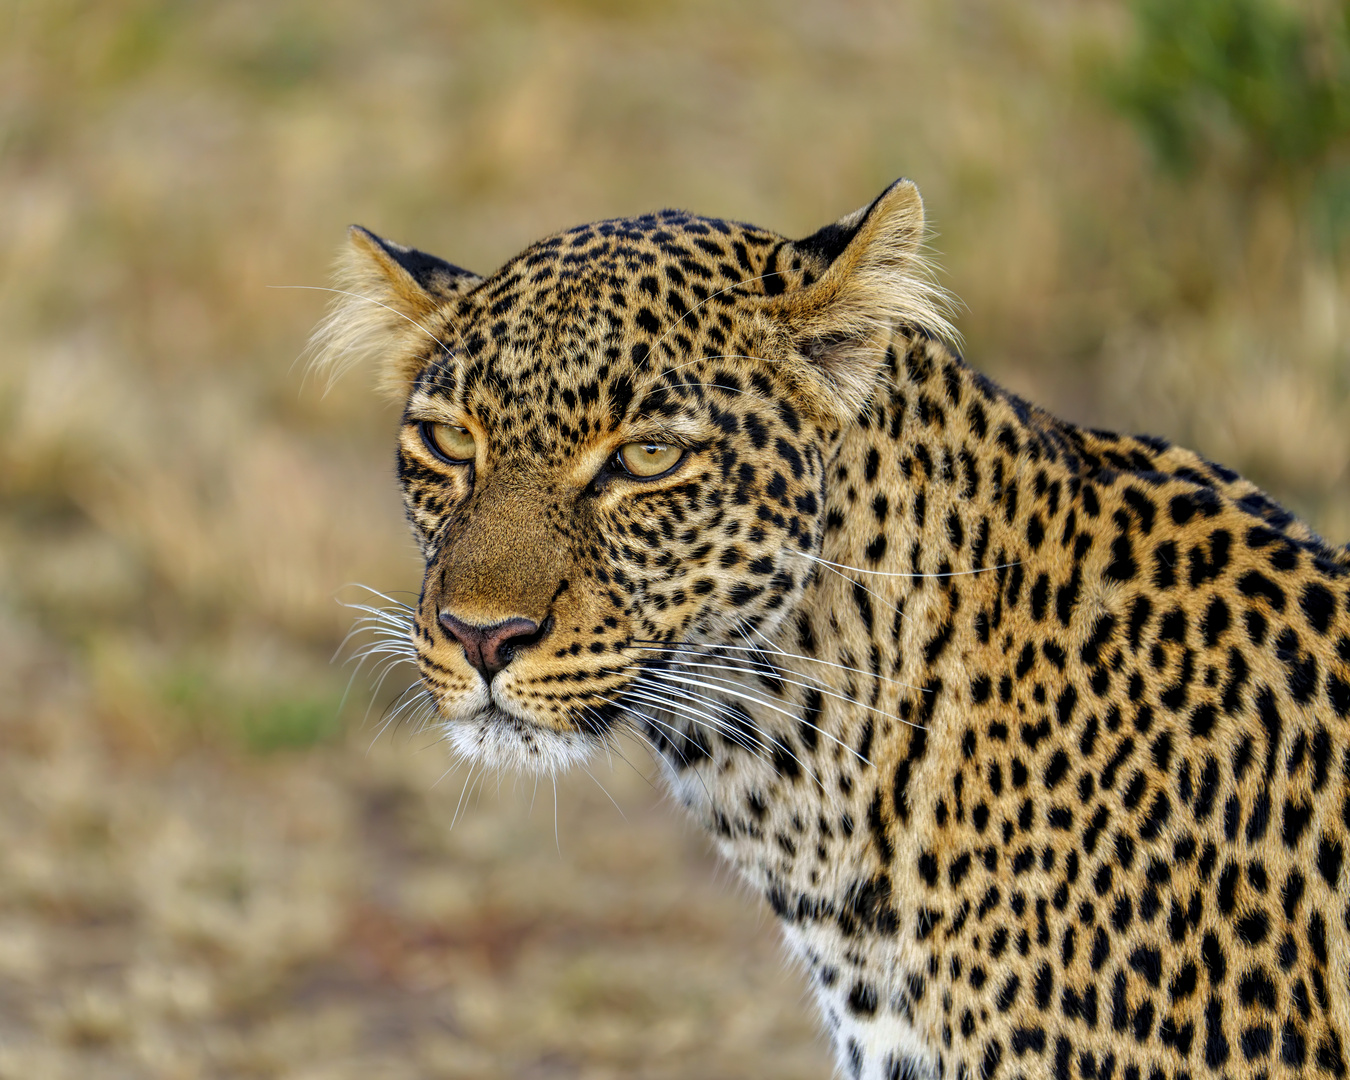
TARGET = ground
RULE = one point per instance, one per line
(323, 915)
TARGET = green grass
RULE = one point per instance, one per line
(258, 719)
(290, 725)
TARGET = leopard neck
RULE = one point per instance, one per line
(938, 498)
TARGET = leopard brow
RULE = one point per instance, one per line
(439, 392)
(442, 379)
(649, 429)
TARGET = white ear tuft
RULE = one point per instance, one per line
(387, 298)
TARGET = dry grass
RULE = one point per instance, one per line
(203, 872)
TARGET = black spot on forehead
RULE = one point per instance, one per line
(589, 261)
(606, 309)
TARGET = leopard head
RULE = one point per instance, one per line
(616, 443)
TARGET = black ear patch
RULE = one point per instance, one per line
(427, 270)
(829, 243)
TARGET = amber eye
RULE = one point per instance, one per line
(449, 442)
(649, 459)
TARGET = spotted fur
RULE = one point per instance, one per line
(1036, 739)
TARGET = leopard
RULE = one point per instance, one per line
(1034, 738)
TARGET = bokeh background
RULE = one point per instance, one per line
(213, 866)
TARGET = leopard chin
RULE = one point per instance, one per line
(503, 742)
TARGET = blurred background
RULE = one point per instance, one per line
(211, 865)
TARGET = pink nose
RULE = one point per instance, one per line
(491, 648)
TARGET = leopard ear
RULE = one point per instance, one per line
(875, 278)
(385, 306)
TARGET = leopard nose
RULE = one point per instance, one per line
(491, 648)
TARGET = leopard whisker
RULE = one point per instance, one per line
(386, 623)
(601, 729)
(660, 756)
(601, 786)
(773, 650)
(648, 693)
(389, 622)
(389, 600)
(389, 715)
(665, 696)
(612, 747)
(382, 673)
(380, 640)
(389, 646)
(647, 718)
(383, 667)
(767, 740)
(605, 792)
(388, 615)
(637, 733)
(384, 643)
(557, 843)
(674, 730)
(392, 622)
(658, 725)
(897, 574)
(870, 592)
(774, 741)
(820, 689)
(730, 689)
(775, 673)
(416, 695)
(382, 632)
(719, 722)
(386, 656)
(463, 791)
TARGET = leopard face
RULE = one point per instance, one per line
(615, 443)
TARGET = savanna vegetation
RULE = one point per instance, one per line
(212, 863)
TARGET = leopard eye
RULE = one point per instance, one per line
(449, 442)
(649, 459)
